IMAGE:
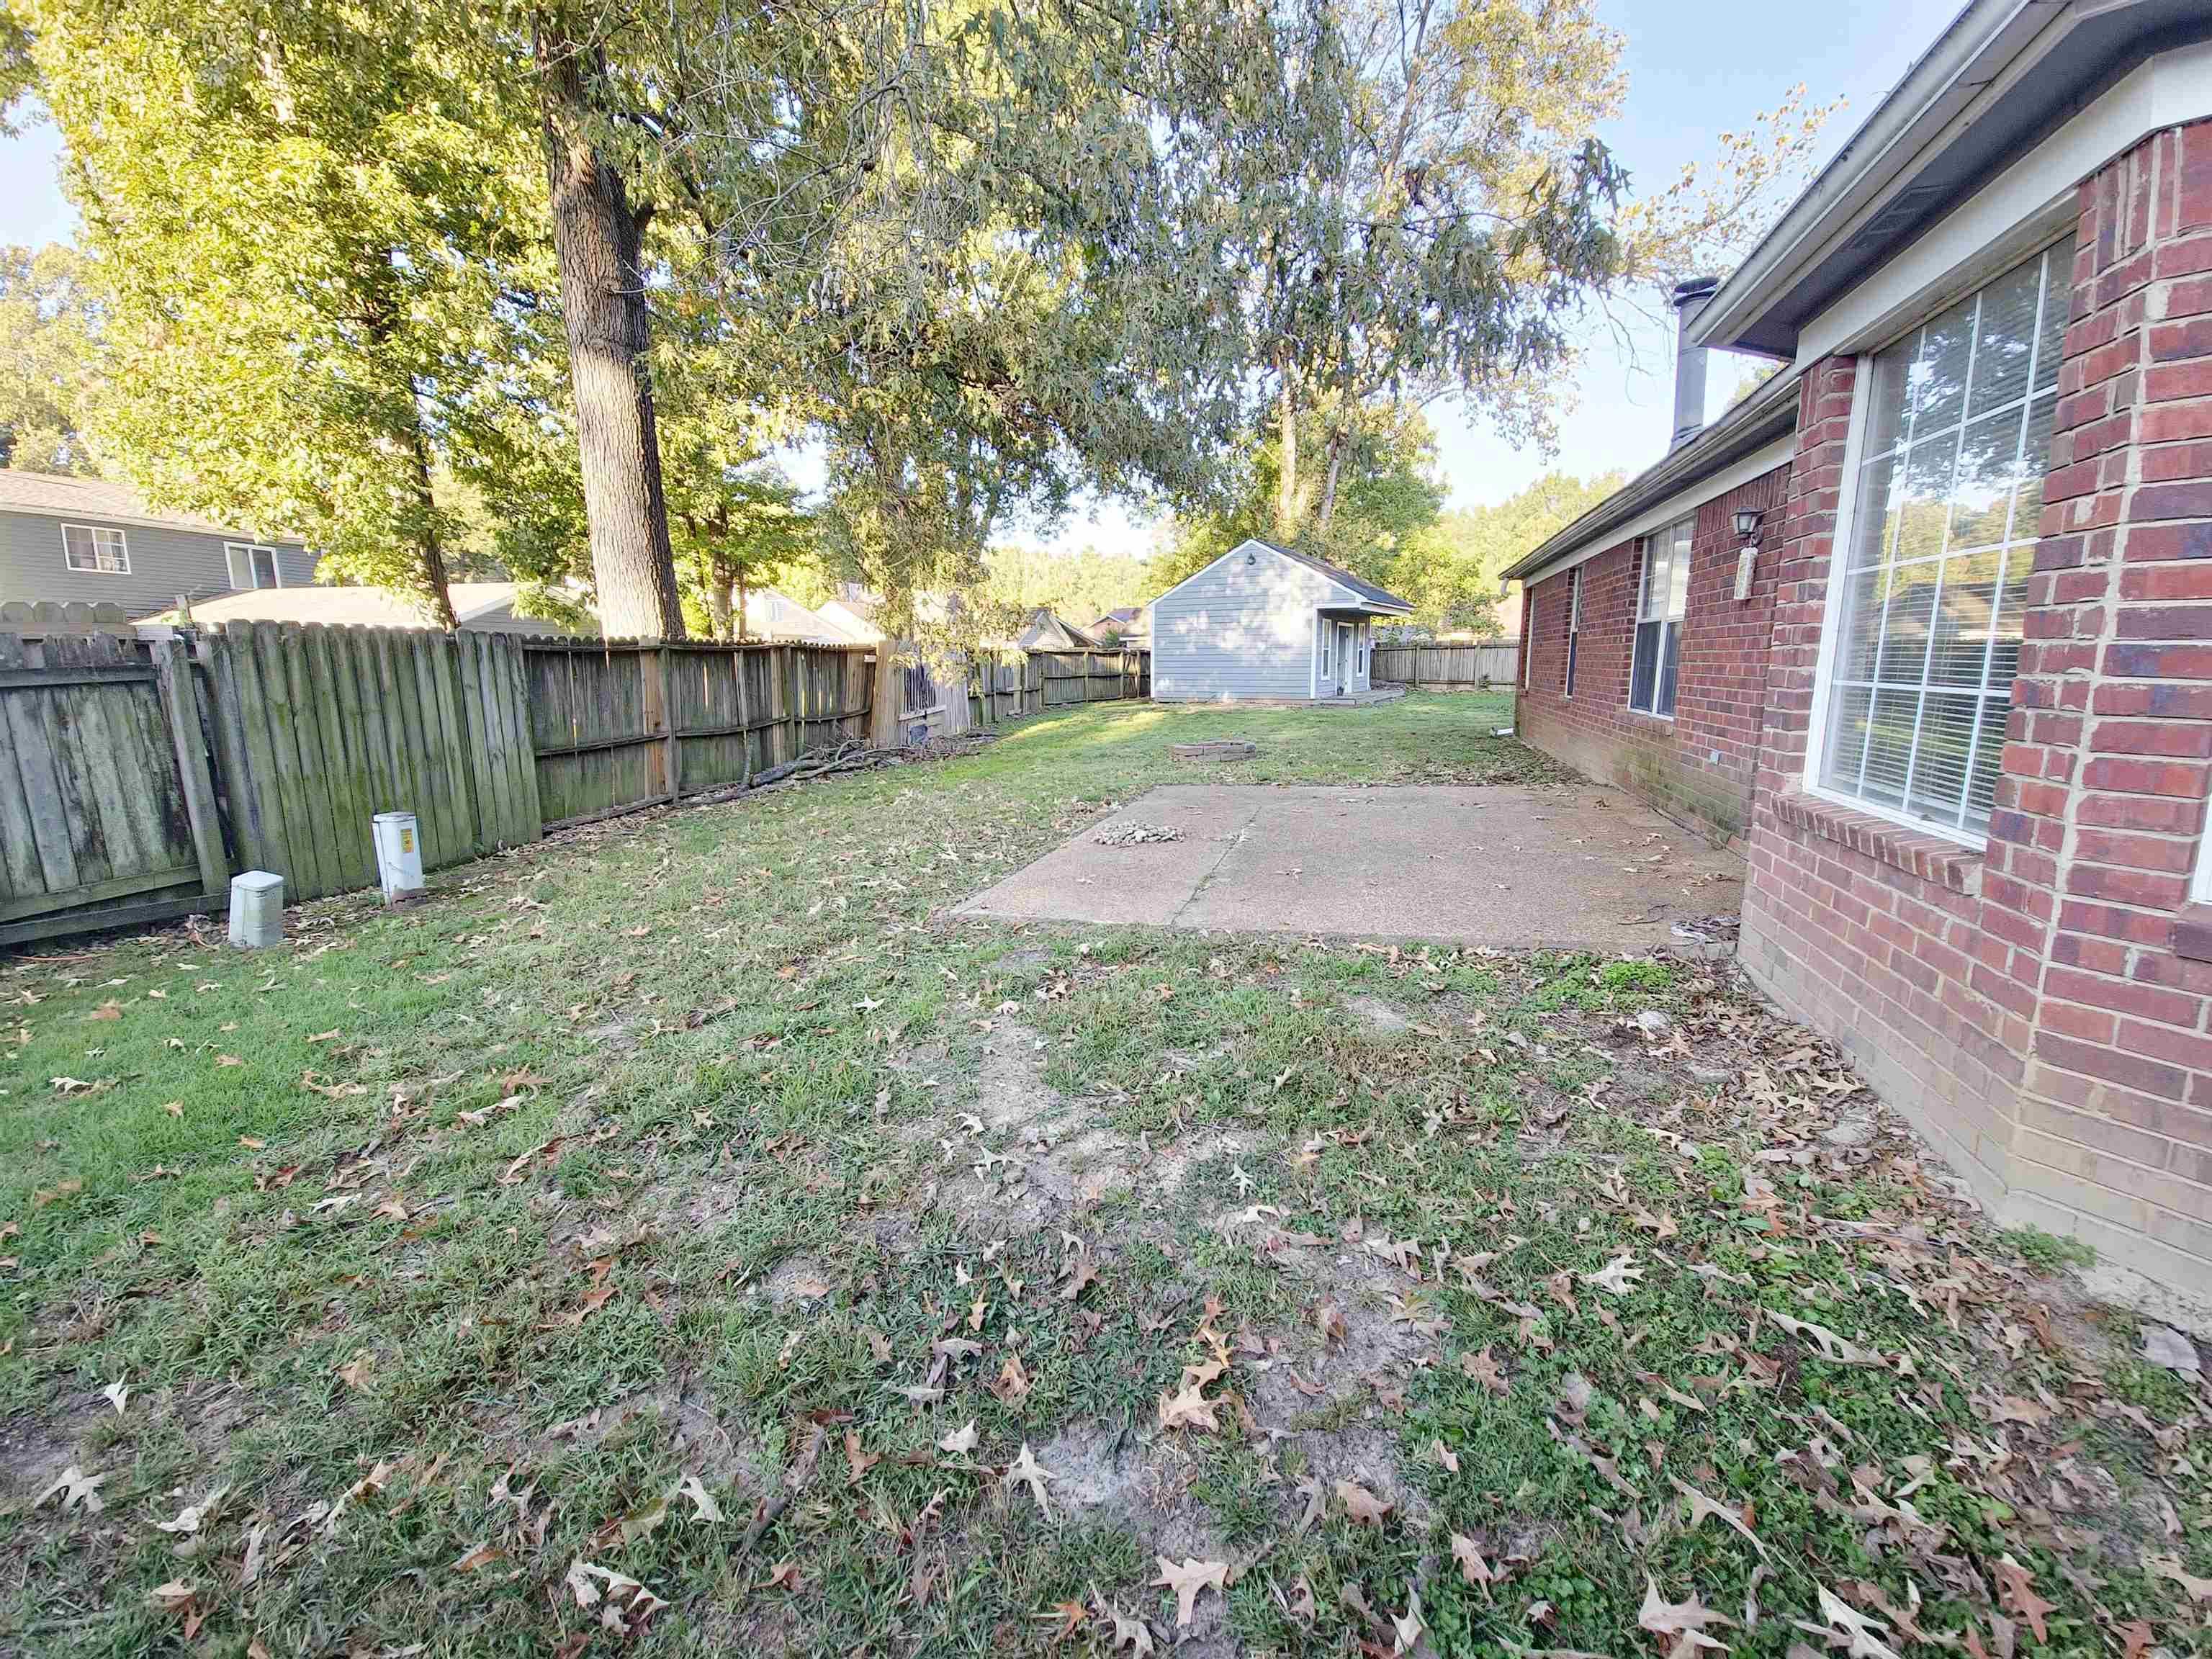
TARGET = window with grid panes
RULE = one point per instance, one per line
(1944, 506)
(1661, 595)
(1574, 626)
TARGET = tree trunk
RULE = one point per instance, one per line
(596, 244)
(1286, 475)
(741, 601)
(426, 547)
(720, 573)
(1337, 445)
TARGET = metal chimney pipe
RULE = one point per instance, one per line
(1690, 298)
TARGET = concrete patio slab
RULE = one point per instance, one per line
(1581, 868)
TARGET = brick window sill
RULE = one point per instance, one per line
(1931, 858)
(2192, 932)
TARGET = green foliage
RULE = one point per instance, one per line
(1389, 525)
(2048, 1252)
(306, 229)
(48, 321)
(1635, 976)
(1081, 585)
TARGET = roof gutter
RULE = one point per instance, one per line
(1939, 74)
(1768, 413)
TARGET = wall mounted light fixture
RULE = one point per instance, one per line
(1746, 559)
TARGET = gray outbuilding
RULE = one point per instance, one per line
(1264, 624)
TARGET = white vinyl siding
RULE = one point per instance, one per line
(1942, 506)
(1239, 629)
(102, 547)
(1662, 594)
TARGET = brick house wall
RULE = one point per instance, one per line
(1699, 766)
(2042, 1010)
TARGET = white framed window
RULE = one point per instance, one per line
(1661, 598)
(1363, 648)
(1936, 533)
(1327, 635)
(95, 548)
(1574, 628)
(252, 565)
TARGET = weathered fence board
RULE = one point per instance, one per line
(620, 723)
(1492, 662)
(318, 729)
(135, 779)
(93, 787)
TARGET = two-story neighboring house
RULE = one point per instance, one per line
(87, 539)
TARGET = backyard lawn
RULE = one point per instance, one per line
(676, 1239)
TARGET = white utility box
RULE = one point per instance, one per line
(398, 855)
(257, 910)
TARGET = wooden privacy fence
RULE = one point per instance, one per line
(1004, 686)
(317, 728)
(136, 777)
(619, 725)
(105, 801)
(1493, 661)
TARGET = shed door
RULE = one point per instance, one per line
(1340, 660)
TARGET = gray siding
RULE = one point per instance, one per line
(1237, 631)
(1356, 678)
(164, 563)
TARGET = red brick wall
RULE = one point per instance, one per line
(1865, 930)
(1697, 766)
(2111, 754)
(2032, 1007)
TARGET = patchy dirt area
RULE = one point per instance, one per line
(702, 1239)
(1562, 866)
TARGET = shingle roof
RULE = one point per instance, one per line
(96, 498)
(1338, 573)
(481, 602)
(1047, 631)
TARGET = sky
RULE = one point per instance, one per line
(1694, 67)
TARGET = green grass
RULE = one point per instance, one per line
(641, 1156)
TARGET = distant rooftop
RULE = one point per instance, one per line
(62, 495)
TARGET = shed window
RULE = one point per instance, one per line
(252, 565)
(95, 548)
(1661, 598)
(1943, 507)
(1574, 626)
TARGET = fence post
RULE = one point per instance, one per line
(674, 762)
(791, 705)
(883, 728)
(180, 699)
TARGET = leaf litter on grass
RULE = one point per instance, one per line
(1512, 1320)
